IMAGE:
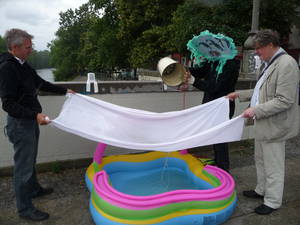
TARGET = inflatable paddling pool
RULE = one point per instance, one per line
(159, 189)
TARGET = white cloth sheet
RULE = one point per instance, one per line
(143, 130)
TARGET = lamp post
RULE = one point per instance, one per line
(248, 65)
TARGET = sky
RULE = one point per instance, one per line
(39, 18)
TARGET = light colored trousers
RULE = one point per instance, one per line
(270, 165)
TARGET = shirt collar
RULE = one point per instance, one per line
(20, 60)
(276, 53)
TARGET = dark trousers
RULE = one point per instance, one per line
(221, 155)
(24, 135)
(221, 151)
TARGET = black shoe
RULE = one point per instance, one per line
(252, 194)
(263, 210)
(35, 215)
(43, 192)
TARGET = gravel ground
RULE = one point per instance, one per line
(68, 205)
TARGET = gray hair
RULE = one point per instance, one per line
(265, 37)
(16, 37)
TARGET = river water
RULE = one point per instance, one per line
(46, 74)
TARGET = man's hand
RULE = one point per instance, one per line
(42, 119)
(186, 77)
(249, 113)
(232, 95)
(184, 87)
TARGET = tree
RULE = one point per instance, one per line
(270, 17)
(280, 20)
(188, 20)
(115, 34)
(142, 24)
(231, 18)
(2, 45)
(40, 59)
(66, 47)
(101, 45)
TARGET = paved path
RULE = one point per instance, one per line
(68, 205)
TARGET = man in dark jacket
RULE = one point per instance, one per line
(214, 85)
(19, 86)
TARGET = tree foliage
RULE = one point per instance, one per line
(142, 27)
(102, 49)
(279, 16)
(2, 45)
(115, 34)
(40, 59)
(66, 48)
(185, 26)
(236, 16)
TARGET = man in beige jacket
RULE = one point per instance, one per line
(274, 109)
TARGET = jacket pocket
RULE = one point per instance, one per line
(279, 124)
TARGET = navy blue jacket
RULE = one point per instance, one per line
(19, 87)
(214, 85)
